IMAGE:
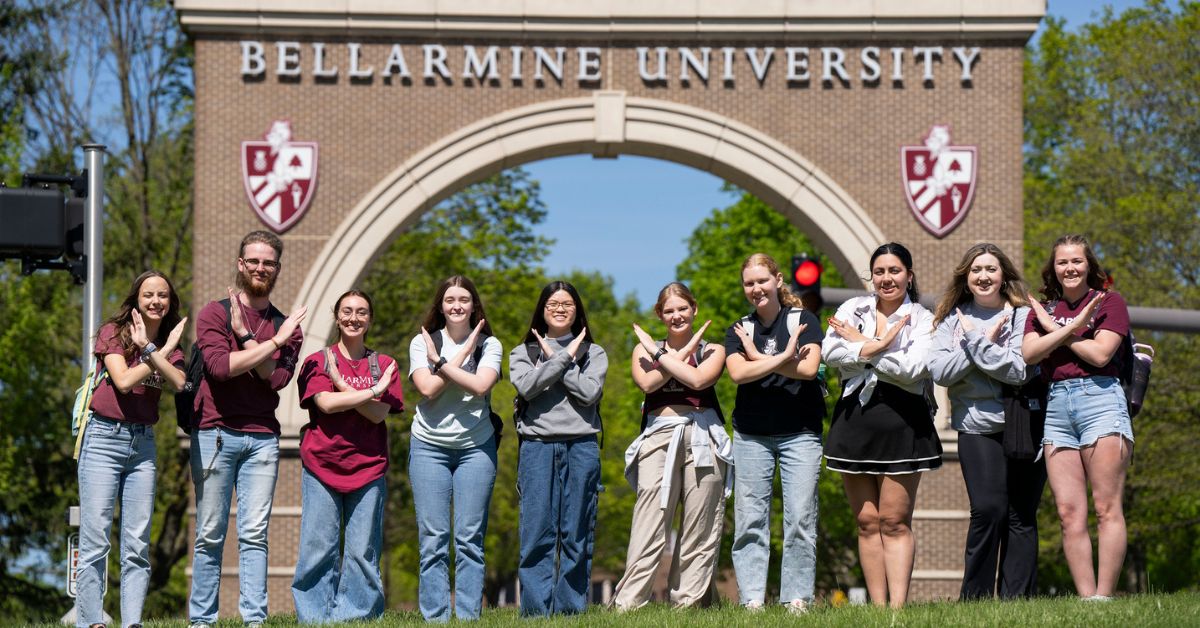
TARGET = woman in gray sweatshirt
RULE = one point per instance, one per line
(559, 376)
(979, 323)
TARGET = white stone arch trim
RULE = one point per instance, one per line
(606, 123)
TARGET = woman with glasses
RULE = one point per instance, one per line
(559, 376)
(454, 363)
(348, 390)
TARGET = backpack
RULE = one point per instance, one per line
(477, 356)
(81, 411)
(185, 399)
(372, 363)
(793, 322)
(521, 405)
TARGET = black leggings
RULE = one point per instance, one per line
(1004, 498)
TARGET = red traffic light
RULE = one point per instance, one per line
(807, 273)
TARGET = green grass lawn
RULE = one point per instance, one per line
(1176, 609)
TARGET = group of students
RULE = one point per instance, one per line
(986, 336)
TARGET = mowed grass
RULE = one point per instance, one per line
(1176, 609)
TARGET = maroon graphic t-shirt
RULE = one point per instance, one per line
(1062, 363)
(345, 450)
(140, 404)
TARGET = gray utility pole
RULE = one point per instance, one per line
(1149, 318)
(93, 247)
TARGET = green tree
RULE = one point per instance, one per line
(712, 269)
(1112, 133)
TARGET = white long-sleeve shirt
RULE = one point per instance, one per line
(903, 363)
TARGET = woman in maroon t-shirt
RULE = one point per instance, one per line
(1088, 437)
(138, 348)
(344, 451)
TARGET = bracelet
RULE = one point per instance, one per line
(276, 343)
(376, 395)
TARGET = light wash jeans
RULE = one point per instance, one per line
(224, 459)
(799, 460)
(444, 479)
(339, 580)
(116, 463)
(559, 483)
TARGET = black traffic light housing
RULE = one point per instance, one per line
(806, 281)
(42, 228)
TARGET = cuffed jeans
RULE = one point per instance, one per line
(559, 483)
(462, 480)
(339, 580)
(799, 460)
(224, 459)
(116, 463)
(1004, 496)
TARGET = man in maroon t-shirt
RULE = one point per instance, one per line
(247, 360)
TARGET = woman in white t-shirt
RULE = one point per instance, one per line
(452, 456)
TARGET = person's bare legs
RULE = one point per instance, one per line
(1105, 463)
(897, 495)
(1068, 481)
(863, 493)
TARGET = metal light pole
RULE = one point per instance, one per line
(93, 246)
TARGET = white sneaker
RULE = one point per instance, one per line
(1098, 598)
(754, 606)
(797, 607)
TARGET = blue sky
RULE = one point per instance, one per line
(649, 206)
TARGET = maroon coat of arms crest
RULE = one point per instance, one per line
(280, 176)
(939, 180)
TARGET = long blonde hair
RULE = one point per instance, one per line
(673, 289)
(785, 295)
(1012, 286)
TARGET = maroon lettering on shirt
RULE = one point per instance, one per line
(243, 402)
(140, 404)
(1062, 363)
(344, 450)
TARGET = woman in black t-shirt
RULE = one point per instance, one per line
(773, 355)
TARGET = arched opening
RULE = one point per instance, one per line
(607, 124)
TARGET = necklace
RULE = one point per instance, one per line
(262, 322)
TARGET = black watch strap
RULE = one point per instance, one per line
(246, 338)
(438, 365)
(658, 354)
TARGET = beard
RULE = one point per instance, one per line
(255, 289)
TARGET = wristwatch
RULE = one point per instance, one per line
(437, 366)
(658, 354)
(148, 349)
(244, 339)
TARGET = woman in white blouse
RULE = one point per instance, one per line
(882, 435)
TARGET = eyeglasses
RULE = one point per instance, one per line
(268, 264)
(557, 305)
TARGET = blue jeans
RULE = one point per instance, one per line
(559, 484)
(443, 479)
(339, 580)
(223, 459)
(1081, 410)
(799, 460)
(116, 463)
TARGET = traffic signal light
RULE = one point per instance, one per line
(806, 280)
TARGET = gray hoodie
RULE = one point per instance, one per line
(564, 399)
(973, 368)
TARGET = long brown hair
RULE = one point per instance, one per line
(784, 295)
(435, 319)
(123, 319)
(1012, 286)
(1097, 279)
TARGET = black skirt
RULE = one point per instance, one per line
(893, 434)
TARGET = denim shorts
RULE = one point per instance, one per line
(1081, 410)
